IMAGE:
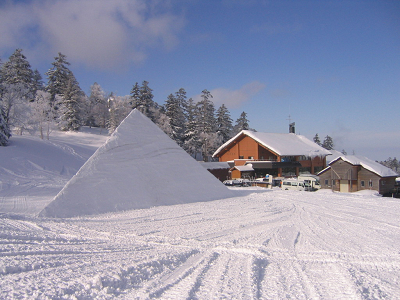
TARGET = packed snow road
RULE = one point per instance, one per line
(262, 244)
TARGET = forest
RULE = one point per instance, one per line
(28, 104)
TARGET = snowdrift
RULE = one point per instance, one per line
(139, 166)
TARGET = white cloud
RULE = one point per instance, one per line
(100, 33)
(234, 98)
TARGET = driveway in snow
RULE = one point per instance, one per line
(262, 244)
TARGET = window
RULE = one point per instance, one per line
(383, 182)
(370, 183)
(362, 183)
(241, 157)
(326, 181)
(333, 182)
(251, 157)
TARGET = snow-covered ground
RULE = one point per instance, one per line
(261, 244)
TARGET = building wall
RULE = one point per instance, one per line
(387, 185)
(371, 180)
(266, 154)
(236, 174)
(231, 154)
(248, 148)
(244, 148)
(357, 178)
(221, 174)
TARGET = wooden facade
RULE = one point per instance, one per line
(244, 149)
(342, 176)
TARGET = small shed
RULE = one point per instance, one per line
(353, 173)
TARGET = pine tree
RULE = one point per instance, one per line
(17, 70)
(5, 132)
(192, 141)
(206, 113)
(328, 143)
(58, 77)
(62, 82)
(72, 98)
(242, 123)
(142, 99)
(317, 140)
(224, 124)
(175, 112)
(135, 96)
(206, 124)
(38, 84)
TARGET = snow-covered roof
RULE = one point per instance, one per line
(214, 165)
(334, 156)
(366, 163)
(245, 168)
(283, 144)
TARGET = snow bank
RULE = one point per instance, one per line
(139, 166)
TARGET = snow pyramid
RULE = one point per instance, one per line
(139, 166)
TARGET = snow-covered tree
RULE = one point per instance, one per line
(38, 84)
(224, 123)
(391, 163)
(42, 117)
(58, 77)
(142, 99)
(61, 81)
(15, 105)
(317, 140)
(5, 132)
(72, 98)
(242, 123)
(206, 113)
(175, 112)
(162, 121)
(118, 109)
(328, 143)
(206, 124)
(96, 107)
(192, 139)
(135, 96)
(17, 70)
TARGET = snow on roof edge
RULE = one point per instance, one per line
(301, 138)
(368, 164)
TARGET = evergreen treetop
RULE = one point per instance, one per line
(328, 143)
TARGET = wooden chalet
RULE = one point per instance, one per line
(353, 173)
(255, 154)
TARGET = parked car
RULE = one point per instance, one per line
(244, 182)
(232, 182)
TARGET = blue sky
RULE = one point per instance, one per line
(333, 66)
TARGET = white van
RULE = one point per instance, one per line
(295, 184)
(312, 180)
